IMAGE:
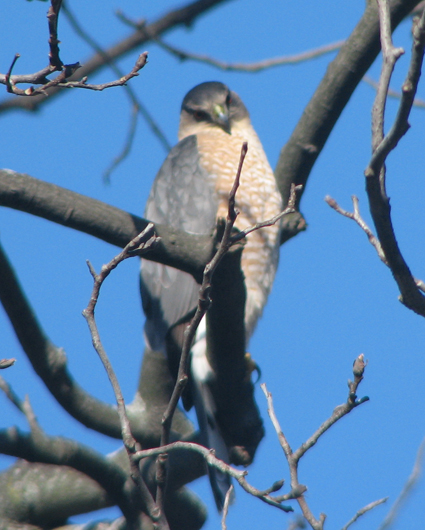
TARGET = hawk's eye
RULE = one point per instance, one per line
(229, 100)
(200, 115)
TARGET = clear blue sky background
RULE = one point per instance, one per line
(332, 300)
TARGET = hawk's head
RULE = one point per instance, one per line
(211, 103)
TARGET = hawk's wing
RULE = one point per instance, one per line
(182, 196)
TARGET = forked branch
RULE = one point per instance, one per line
(293, 458)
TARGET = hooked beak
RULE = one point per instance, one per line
(221, 118)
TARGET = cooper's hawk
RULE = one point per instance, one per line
(191, 192)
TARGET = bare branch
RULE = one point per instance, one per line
(391, 55)
(382, 145)
(410, 483)
(23, 406)
(340, 411)
(188, 252)
(52, 17)
(50, 363)
(11, 395)
(297, 489)
(61, 80)
(226, 507)
(250, 67)
(6, 363)
(269, 222)
(140, 244)
(137, 105)
(417, 102)
(364, 510)
(203, 303)
(182, 16)
(212, 460)
(126, 148)
(240, 67)
(374, 241)
(342, 77)
(56, 65)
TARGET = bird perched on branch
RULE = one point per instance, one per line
(191, 193)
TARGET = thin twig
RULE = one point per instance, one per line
(297, 489)
(213, 461)
(56, 65)
(390, 55)
(52, 16)
(61, 80)
(388, 249)
(339, 411)
(11, 395)
(6, 363)
(410, 483)
(184, 55)
(269, 222)
(140, 244)
(127, 145)
(226, 507)
(135, 101)
(204, 302)
(22, 406)
(364, 510)
(183, 16)
(50, 361)
(374, 241)
(417, 102)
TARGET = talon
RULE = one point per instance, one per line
(251, 367)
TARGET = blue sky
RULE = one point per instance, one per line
(332, 300)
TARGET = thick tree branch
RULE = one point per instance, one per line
(47, 494)
(189, 253)
(49, 362)
(37, 447)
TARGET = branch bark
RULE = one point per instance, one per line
(186, 252)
